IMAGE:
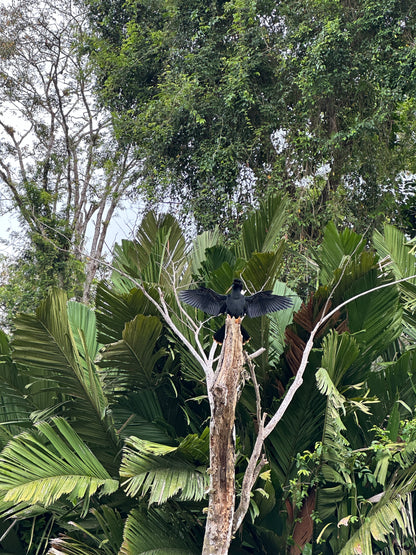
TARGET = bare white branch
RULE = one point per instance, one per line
(265, 431)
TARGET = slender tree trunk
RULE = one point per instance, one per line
(223, 399)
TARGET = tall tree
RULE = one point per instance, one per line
(228, 99)
(61, 166)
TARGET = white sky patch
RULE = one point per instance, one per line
(279, 140)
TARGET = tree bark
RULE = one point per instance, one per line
(223, 399)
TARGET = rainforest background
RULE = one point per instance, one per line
(271, 140)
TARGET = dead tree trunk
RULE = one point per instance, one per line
(223, 399)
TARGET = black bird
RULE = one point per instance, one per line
(235, 304)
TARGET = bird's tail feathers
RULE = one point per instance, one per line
(219, 335)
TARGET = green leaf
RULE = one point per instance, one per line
(106, 541)
(66, 545)
(42, 466)
(217, 259)
(15, 406)
(82, 321)
(133, 359)
(327, 387)
(400, 258)
(375, 319)
(299, 429)
(139, 413)
(112, 525)
(163, 471)
(151, 533)
(114, 309)
(280, 320)
(200, 244)
(263, 228)
(158, 252)
(336, 247)
(339, 353)
(261, 269)
(45, 345)
(392, 381)
(391, 515)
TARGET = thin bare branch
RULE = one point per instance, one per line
(265, 431)
(308, 347)
(250, 365)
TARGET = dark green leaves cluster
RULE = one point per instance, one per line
(226, 99)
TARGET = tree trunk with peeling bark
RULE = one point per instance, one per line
(223, 400)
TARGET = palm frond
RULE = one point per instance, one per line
(152, 533)
(262, 268)
(394, 250)
(106, 541)
(299, 429)
(217, 268)
(41, 466)
(131, 361)
(140, 414)
(327, 387)
(15, 405)
(44, 344)
(163, 471)
(280, 320)
(112, 524)
(339, 353)
(65, 545)
(400, 258)
(200, 244)
(375, 319)
(263, 228)
(390, 382)
(84, 330)
(335, 249)
(158, 252)
(115, 308)
(390, 517)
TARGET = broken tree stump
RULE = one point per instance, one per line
(223, 400)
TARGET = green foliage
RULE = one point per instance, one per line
(163, 471)
(44, 344)
(104, 413)
(34, 474)
(38, 264)
(154, 533)
(53, 468)
(330, 465)
(231, 99)
(134, 358)
(157, 252)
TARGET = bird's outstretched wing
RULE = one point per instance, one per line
(264, 302)
(205, 299)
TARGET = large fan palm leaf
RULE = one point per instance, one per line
(163, 471)
(152, 533)
(45, 345)
(131, 362)
(40, 467)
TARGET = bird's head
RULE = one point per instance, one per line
(238, 284)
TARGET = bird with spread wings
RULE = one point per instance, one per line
(235, 304)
